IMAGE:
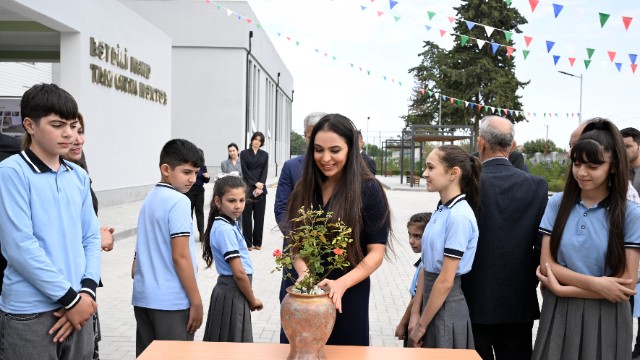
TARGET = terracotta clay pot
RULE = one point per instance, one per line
(307, 320)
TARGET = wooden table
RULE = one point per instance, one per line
(196, 350)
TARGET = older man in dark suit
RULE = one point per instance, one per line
(501, 287)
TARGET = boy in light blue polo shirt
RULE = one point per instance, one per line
(50, 237)
(166, 300)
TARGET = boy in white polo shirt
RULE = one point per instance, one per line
(166, 300)
(50, 237)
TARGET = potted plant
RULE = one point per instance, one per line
(306, 313)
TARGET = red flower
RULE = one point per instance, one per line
(337, 251)
(277, 253)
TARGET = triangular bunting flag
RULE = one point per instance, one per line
(392, 4)
(527, 40)
(550, 45)
(451, 100)
(525, 53)
(428, 27)
(463, 39)
(430, 93)
(508, 2)
(363, 7)
(533, 4)
(489, 30)
(619, 66)
(297, 43)
(480, 107)
(612, 55)
(466, 103)
(473, 105)
(480, 43)
(587, 63)
(572, 60)
(444, 97)
(510, 50)
(511, 112)
(633, 58)
(470, 24)
(431, 14)
(590, 52)
(368, 72)
(506, 111)
(422, 90)
(380, 13)
(451, 19)
(633, 68)
(494, 47)
(258, 26)
(218, 6)
(626, 20)
(396, 18)
(603, 19)
(556, 9)
(442, 32)
(458, 102)
(507, 35)
(229, 12)
(555, 59)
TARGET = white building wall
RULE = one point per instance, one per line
(124, 132)
(17, 77)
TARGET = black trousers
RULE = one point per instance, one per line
(196, 196)
(253, 219)
(508, 341)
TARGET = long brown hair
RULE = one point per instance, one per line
(598, 138)
(346, 200)
(455, 156)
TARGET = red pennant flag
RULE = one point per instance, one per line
(422, 91)
(288, 38)
(480, 107)
(451, 100)
(506, 111)
(248, 21)
(442, 32)
(612, 55)
(380, 13)
(571, 61)
(633, 68)
(527, 40)
(451, 19)
(509, 50)
(533, 4)
(626, 20)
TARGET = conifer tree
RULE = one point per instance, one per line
(468, 72)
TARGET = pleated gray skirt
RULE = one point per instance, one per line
(451, 326)
(229, 317)
(583, 329)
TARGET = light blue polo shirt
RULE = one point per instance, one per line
(49, 233)
(452, 231)
(414, 281)
(165, 214)
(585, 238)
(228, 243)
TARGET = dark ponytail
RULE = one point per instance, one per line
(454, 156)
(219, 189)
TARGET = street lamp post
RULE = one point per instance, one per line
(576, 76)
(366, 149)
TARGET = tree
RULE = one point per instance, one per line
(538, 145)
(372, 150)
(467, 72)
(297, 144)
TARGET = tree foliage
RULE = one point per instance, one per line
(467, 72)
(297, 144)
(538, 145)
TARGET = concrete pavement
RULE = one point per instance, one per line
(390, 283)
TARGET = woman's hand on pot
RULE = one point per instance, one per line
(336, 291)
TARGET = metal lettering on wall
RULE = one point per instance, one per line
(120, 58)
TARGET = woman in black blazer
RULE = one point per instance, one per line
(255, 164)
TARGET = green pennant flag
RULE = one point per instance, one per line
(587, 63)
(298, 43)
(499, 110)
(507, 34)
(396, 18)
(463, 39)
(603, 19)
(400, 82)
(525, 53)
(258, 26)
(590, 52)
(218, 6)
(508, 2)
(431, 14)
(334, 58)
(486, 109)
(368, 72)
(458, 101)
(430, 93)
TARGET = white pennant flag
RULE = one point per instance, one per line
(480, 43)
(466, 103)
(489, 30)
(229, 12)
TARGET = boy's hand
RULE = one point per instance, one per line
(400, 330)
(256, 305)
(106, 238)
(62, 326)
(82, 311)
(195, 317)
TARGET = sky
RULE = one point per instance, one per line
(386, 41)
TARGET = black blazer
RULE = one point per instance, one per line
(371, 164)
(254, 168)
(501, 286)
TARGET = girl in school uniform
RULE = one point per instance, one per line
(232, 299)
(589, 259)
(441, 319)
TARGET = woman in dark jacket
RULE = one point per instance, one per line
(255, 164)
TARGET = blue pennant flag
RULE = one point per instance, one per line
(428, 27)
(392, 4)
(473, 105)
(363, 7)
(550, 45)
(633, 58)
(556, 9)
(470, 24)
(619, 66)
(555, 59)
(494, 47)
(444, 98)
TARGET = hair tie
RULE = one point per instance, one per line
(471, 158)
